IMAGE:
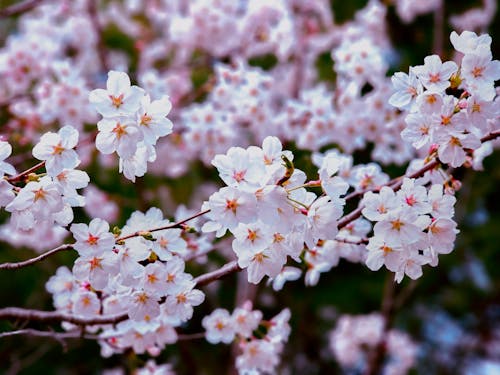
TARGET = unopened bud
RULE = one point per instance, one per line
(33, 177)
(153, 257)
(455, 80)
(147, 235)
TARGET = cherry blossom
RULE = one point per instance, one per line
(56, 149)
(119, 98)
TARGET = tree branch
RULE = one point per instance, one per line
(56, 316)
(52, 334)
(78, 335)
(396, 183)
(170, 226)
(21, 176)
(13, 266)
(225, 270)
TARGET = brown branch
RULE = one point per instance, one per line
(23, 175)
(25, 263)
(78, 335)
(19, 8)
(493, 135)
(179, 224)
(56, 316)
(225, 270)
(397, 182)
(52, 334)
(349, 217)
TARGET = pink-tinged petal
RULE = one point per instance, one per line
(69, 136)
(105, 143)
(118, 83)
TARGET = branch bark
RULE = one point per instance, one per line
(396, 183)
(21, 176)
(55, 316)
(13, 266)
(210, 277)
(179, 224)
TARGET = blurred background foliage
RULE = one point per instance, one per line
(455, 301)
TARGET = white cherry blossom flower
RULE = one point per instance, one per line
(5, 151)
(169, 242)
(154, 279)
(180, 305)
(93, 239)
(245, 321)
(86, 304)
(435, 74)
(118, 134)
(56, 149)
(407, 88)
(96, 269)
(119, 98)
(152, 119)
(480, 72)
(143, 306)
(468, 41)
(219, 327)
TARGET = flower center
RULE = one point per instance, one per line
(116, 101)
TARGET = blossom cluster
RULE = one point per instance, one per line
(261, 341)
(437, 118)
(272, 210)
(353, 335)
(131, 123)
(413, 226)
(143, 275)
(267, 208)
(47, 200)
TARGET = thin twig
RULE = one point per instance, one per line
(493, 135)
(56, 316)
(179, 224)
(225, 270)
(25, 263)
(52, 334)
(21, 176)
(396, 183)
